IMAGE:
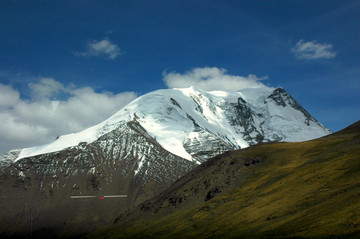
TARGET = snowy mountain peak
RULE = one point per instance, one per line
(195, 124)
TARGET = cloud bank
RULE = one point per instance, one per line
(211, 78)
(312, 50)
(101, 48)
(52, 110)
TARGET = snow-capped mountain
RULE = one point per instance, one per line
(191, 123)
(139, 151)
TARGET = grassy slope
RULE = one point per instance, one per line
(308, 189)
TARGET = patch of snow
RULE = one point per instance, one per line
(92, 170)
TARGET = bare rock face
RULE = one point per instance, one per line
(35, 191)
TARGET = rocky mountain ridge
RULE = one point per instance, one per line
(139, 152)
(178, 119)
(37, 190)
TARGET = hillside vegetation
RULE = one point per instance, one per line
(279, 190)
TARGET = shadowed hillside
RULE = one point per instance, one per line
(277, 190)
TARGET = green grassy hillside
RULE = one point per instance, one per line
(281, 190)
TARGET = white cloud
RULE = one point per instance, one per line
(312, 50)
(45, 88)
(8, 96)
(211, 78)
(101, 48)
(42, 118)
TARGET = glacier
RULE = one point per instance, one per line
(190, 122)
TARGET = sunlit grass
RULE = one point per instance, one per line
(309, 189)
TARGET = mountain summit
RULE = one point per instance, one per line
(139, 152)
(195, 124)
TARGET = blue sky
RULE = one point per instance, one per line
(66, 65)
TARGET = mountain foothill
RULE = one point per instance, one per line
(189, 164)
